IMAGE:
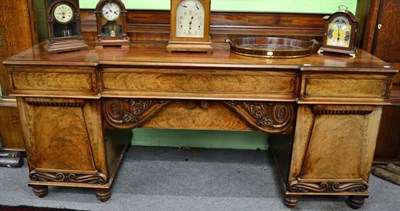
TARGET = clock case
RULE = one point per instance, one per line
(64, 37)
(190, 44)
(351, 50)
(121, 39)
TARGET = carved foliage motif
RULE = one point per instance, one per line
(266, 116)
(97, 178)
(328, 187)
(130, 113)
(202, 103)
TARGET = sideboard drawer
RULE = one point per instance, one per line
(199, 83)
(345, 88)
(62, 81)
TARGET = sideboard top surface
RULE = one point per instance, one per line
(154, 54)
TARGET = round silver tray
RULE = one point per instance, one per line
(271, 47)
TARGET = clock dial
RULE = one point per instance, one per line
(190, 19)
(339, 32)
(63, 13)
(111, 11)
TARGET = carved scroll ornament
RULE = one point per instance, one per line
(97, 178)
(268, 117)
(130, 113)
(327, 187)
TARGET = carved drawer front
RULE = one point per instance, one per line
(345, 87)
(198, 83)
(45, 81)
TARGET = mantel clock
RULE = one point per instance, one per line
(63, 26)
(340, 33)
(111, 18)
(190, 26)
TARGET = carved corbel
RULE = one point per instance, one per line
(130, 113)
(268, 117)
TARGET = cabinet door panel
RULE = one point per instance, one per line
(387, 39)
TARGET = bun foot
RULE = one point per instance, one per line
(356, 202)
(291, 201)
(103, 194)
(40, 191)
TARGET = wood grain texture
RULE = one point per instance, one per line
(32, 79)
(382, 43)
(388, 141)
(192, 115)
(10, 129)
(345, 87)
(52, 81)
(339, 136)
(385, 40)
(49, 145)
(329, 139)
(197, 82)
(15, 39)
(267, 117)
(76, 129)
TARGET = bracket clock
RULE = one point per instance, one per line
(190, 26)
(340, 33)
(111, 23)
(63, 26)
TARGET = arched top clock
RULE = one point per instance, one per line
(340, 33)
(63, 26)
(190, 26)
(111, 17)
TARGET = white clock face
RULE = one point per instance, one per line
(111, 11)
(190, 19)
(63, 13)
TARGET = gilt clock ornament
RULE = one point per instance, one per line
(340, 33)
(63, 26)
(111, 24)
(190, 26)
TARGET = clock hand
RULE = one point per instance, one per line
(338, 33)
(190, 23)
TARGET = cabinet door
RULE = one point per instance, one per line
(382, 39)
(387, 40)
(17, 32)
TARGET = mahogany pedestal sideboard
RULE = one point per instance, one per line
(322, 111)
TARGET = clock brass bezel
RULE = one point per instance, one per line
(54, 10)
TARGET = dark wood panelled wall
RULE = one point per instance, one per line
(154, 25)
(382, 39)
